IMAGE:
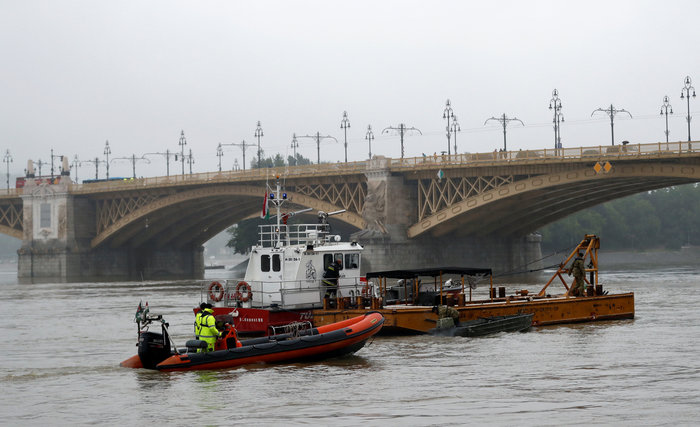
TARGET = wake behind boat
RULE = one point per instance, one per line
(158, 351)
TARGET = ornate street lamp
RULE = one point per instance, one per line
(685, 93)
(666, 109)
(555, 104)
(182, 142)
(344, 125)
(258, 134)
(446, 114)
(107, 152)
(455, 128)
(369, 137)
(219, 154)
(295, 145)
(7, 159)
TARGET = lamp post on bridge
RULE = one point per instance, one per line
(39, 164)
(167, 155)
(446, 114)
(295, 145)
(612, 112)
(369, 137)
(344, 125)
(258, 134)
(666, 109)
(685, 92)
(133, 159)
(182, 142)
(219, 154)
(241, 144)
(108, 151)
(555, 104)
(402, 130)
(455, 128)
(504, 120)
(190, 160)
(53, 156)
(318, 137)
(97, 162)
(7, 159)
(76, 165)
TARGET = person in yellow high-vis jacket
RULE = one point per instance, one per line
(205, 328)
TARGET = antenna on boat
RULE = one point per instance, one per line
(278, 201)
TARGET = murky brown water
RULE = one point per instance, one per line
(62, 344)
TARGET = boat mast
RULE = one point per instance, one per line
(278, 204)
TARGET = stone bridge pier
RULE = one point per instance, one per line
(390, 209)
(58, 229)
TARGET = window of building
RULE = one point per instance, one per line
(45, 215)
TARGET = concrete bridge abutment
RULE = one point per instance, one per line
(58, 229)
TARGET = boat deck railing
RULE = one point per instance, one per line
(291, 234)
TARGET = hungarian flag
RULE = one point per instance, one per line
(141, 312)
(265, 212)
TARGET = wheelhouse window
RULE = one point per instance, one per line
(339, 259)
(352, 261)
(276, 262)
(265, 262)
(327, 260)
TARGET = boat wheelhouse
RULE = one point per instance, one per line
(286, 267)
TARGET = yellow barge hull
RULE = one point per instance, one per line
(546, 311)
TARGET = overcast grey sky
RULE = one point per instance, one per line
(77, 73)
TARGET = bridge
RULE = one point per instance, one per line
(477, 209)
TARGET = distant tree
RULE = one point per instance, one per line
(278, 161)
(299, 160)
(665, 218)
(244, 235)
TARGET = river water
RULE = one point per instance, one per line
(62, 344)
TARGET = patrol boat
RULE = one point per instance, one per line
(283, 279)
(157, 350)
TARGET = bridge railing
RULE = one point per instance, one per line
(323, 169)
(546, 155)
(10, 192)
(592, 153)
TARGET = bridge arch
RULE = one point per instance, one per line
(11, 231)
(201, 213)
(550, 197)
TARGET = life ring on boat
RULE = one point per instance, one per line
(241, 289)
(216, 291)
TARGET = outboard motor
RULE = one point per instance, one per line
(153, 348)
